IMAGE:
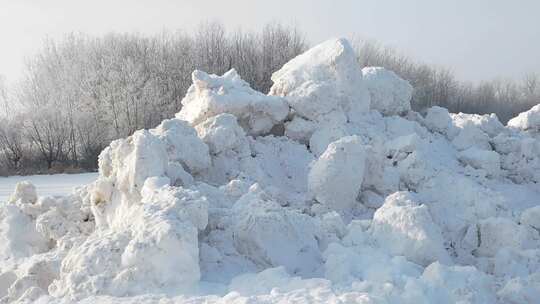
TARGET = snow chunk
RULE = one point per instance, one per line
(390, 94)
(514, 262)
(482, 159)
(300, 129)
(488, 123)
(210, 95)
(322, 137)
(370, 269)
(183, 144)
(279, 165)
(520, 156)
(324, 79)
(471, 136)
(531, 217)
(450, 284)
(438, 119)
(371, 199)
(18, 234)
(129, 162)
(406, 228)
(220, 132)
(261, 224)
(527, 121)
(336, 177)
(521, 290)
(496, 233)
(403, 144)
(25, 193)
(265, 281)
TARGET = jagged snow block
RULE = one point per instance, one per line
(25, 193)
(450, 284)
(471, 136)
(18, 234)
(183, 144)
(210, 95)
(375, 266)
(322, 137)
(513, 262)
(438, 119)
(390, 94)
(280, 165)
(336, 176)
(405, 227)
(482, 159)
(506, 143)
(520, 155)
(129, 162)
(273, 236)
(264, 281)
(403, 144)
(521, 290)
(531, 217)
(325, 79)
(300, 129)
(527, 121)
(220, 132)
(495, 233)
(488, 123)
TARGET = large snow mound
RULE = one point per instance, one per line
(327, 190)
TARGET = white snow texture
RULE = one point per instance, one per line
(329, 189)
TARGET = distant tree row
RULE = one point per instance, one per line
(80, 93)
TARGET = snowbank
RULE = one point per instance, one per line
(329, 189)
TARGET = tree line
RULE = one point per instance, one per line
(82, 92)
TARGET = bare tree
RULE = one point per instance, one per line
(12, 141)
(5, 107)
(47, 130)
(531, 87)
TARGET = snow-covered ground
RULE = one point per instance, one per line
(327, 190)
(57, 184)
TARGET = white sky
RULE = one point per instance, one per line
(478, 39)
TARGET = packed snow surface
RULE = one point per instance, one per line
(327, 190)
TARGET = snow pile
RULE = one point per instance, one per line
(329, 189)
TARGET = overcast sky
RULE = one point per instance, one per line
(477, 39)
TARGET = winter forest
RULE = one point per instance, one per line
(81, 92)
